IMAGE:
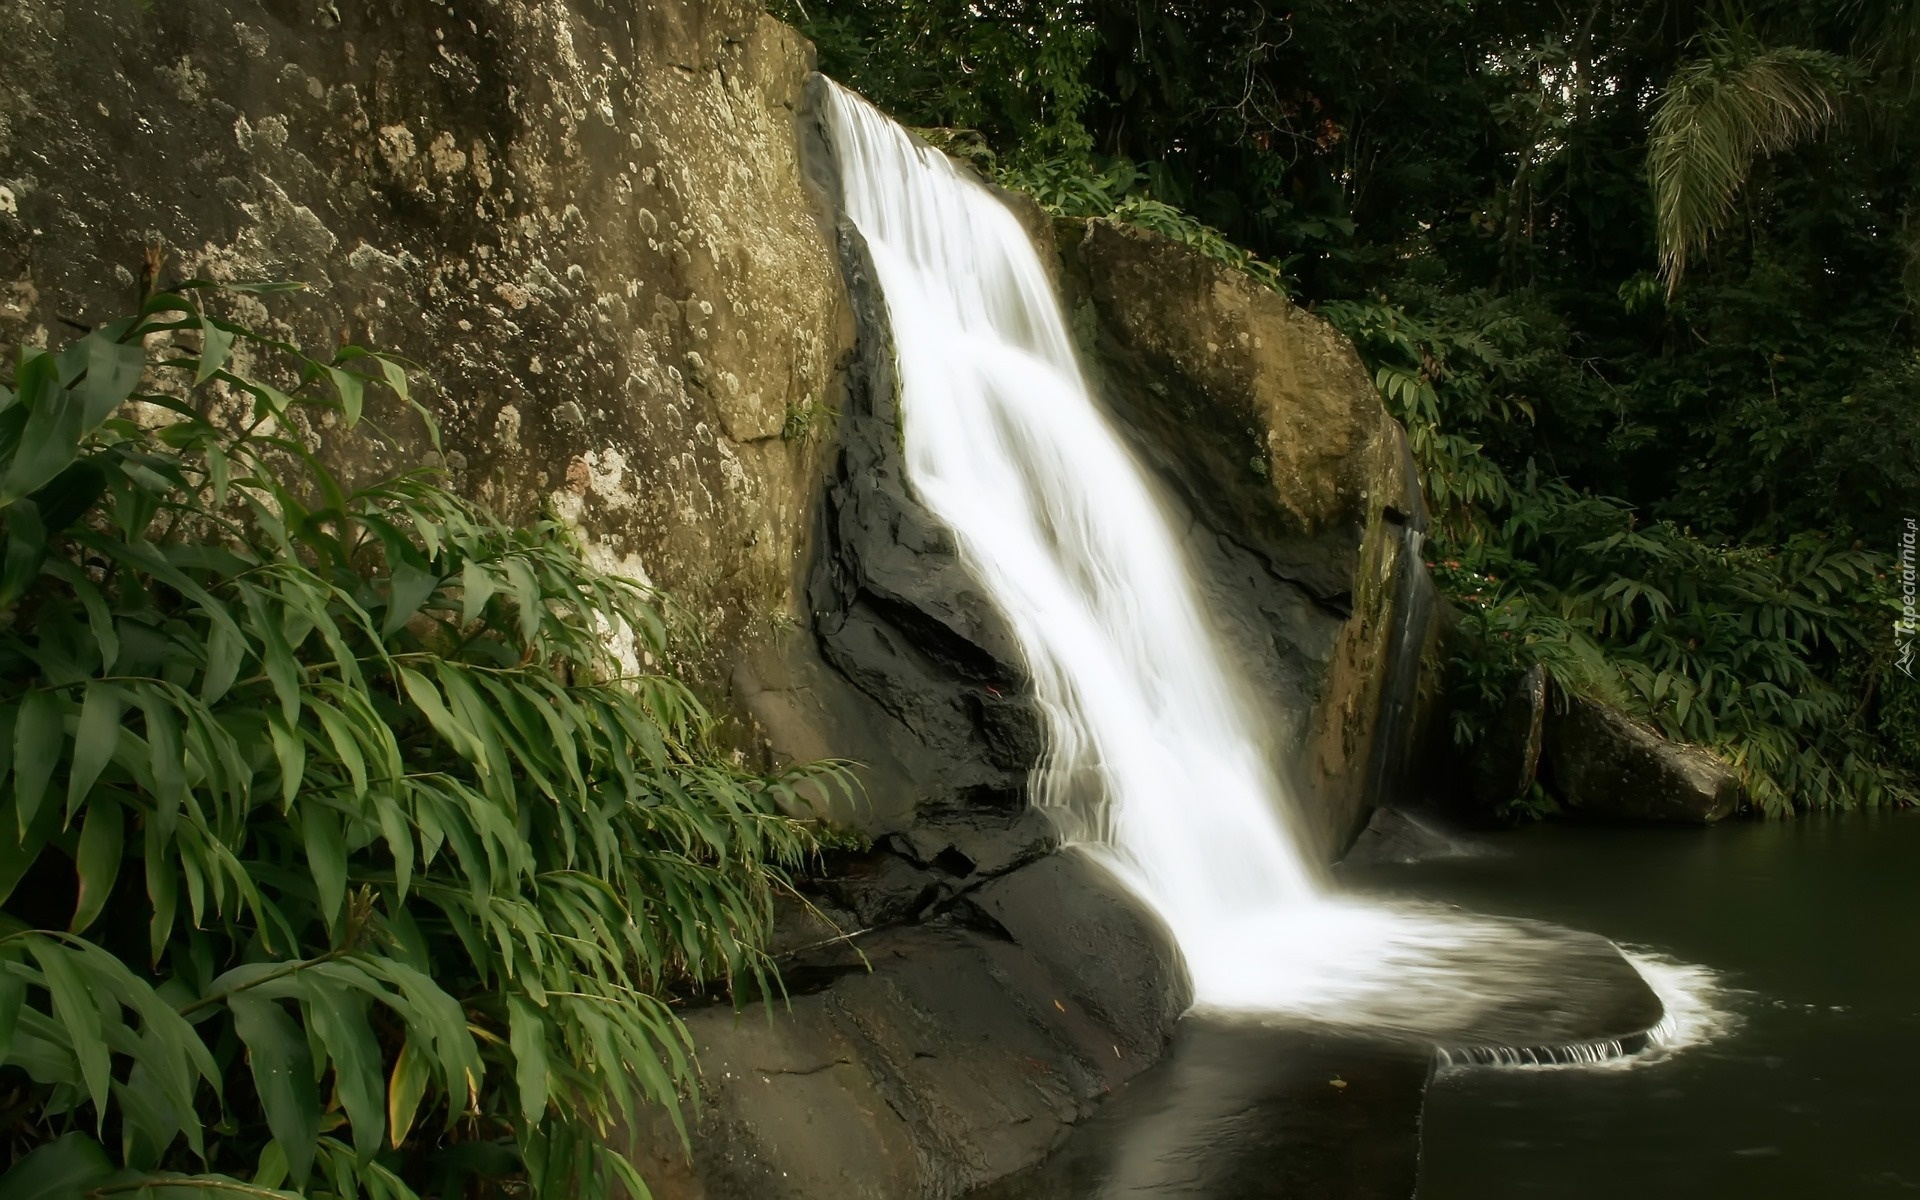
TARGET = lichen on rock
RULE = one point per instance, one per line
(587, 226)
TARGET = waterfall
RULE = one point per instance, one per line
(1153, 766)
(1152, 762)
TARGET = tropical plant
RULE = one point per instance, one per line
(355, 843)
(1072, 187)
(1738, 102)
(1754, 651)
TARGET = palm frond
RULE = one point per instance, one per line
(1717, 115)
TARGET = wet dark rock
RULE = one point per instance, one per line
(1574, 990)
(1506, 763)
(1395, 836)
(979, 849)
(1606, 764)
(882, 888)
(1071, 913)
(965, 1053)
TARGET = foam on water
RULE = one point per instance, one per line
(1153, 765)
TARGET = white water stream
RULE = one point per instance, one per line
(1153, 762)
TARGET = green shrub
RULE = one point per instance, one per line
(354, 842)
(1071, 186)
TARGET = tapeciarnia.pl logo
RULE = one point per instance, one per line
(1907, 628)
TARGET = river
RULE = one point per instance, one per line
(1799, 1089)
(1813, 930)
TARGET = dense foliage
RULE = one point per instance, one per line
(1638, 276)
(354, 842)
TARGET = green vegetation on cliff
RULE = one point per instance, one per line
(1637, 276)
(352, 843)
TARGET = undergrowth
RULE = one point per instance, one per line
(355, 843)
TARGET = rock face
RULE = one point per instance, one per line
(1606, 764)
(966, 1052)
(1507, 762)
(1031, 982)
(587, 224)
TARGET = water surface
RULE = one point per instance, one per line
(1814, 927)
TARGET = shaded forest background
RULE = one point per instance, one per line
(1638, 276)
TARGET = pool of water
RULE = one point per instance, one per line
(1812, 929)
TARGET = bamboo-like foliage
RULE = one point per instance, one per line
(352, 840)
(1739, 648)
(1716, 116)
(1729, 647)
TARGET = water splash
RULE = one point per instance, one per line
(1695, 1011)
(1153, 763)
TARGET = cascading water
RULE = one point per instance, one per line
(1151, 757)
(1153, 765)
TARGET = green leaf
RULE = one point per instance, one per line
(38, 741)
(339, 1015)
(62, 1169)
(218, 472)
(352, 389)
(476, 585)
(326, 858)
(163, 891)
(26, 550)
(165, 754)
(395, 375)
(292, 755)
(68, 495)
(226, 649)
(405, 1086)
(283, 1077)
(13, 994)
(426, 697)
(526, 594)
(99, 616)
(113, 371)
(340, 733)
(216, 343)
(76, 1010)
(409, 589)
(48, 443)
(97, 860)
(528, 1036)
(272, 1170)
(94, 741)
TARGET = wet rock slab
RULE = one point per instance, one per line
(1394, 836)
(1579, 994)
(926, 1060)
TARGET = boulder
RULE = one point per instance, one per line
(1604, 763)
(1506, 763)
(587, 224)
(937, 1057)
(1395, 836)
